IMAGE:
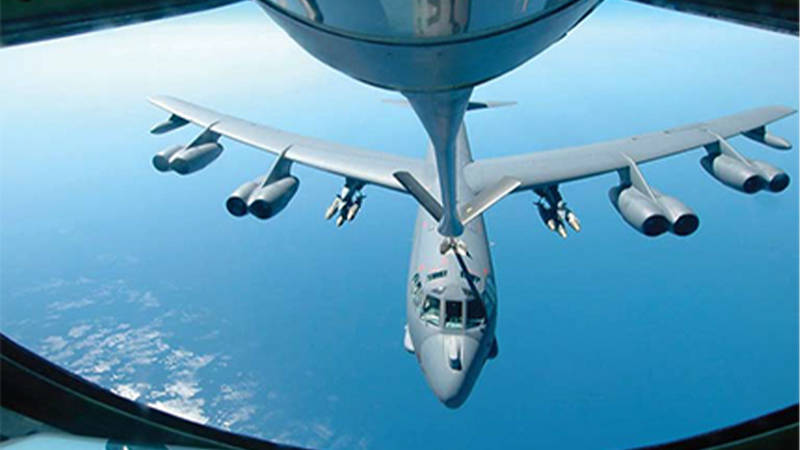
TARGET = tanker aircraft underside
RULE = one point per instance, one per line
(434, 53)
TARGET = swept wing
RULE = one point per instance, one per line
(543, 168)
(367, 166)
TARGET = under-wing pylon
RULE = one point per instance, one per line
(646, 209)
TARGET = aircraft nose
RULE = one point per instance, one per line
(447, 360)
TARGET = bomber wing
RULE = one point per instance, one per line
(367, 166)
(544, 168)
(644, 208)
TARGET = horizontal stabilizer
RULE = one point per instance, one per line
(470, 106)
(487, 198)
(418, 191)
(485, 105)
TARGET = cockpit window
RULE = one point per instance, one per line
(454, 314)
(416, 289)
(430, 310)
(476, 313)
(435, 275)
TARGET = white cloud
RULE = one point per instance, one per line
(322, 430)
(183, 389)
(140, 361)
(349, 442)
(146, 300)
(52, 285)
(76, 332)
(243, 391)
(54, 343)
(66, 305)
(104, 366)
(131, 391)
(239, 415)
(189, 409)
(200, 361)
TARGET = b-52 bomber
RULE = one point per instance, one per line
(434, 52)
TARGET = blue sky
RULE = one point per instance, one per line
(292, 329)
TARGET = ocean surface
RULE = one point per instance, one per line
(291, 329)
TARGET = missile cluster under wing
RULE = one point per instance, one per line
(644, 208)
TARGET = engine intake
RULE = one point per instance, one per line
(746, 175)
(266, 201)
(776, 179)
(647, 209)
(161, 159)
(733, 173)
(639, 211)
(725, 164)
(683, 221)
(236, 204)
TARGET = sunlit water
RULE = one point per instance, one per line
(291, 329)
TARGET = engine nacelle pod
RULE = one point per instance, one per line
(776, 179)
(683, 221)
(236, 203)
(194, 158)
(639, 211)
(765, 137)
(733, 173)
(269, 200)
(161, 159)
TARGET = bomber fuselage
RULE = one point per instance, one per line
(451, 332)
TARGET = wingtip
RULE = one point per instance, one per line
(788, 110)
(160, 99)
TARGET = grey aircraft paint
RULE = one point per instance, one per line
(451, 322)
(432, 274)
